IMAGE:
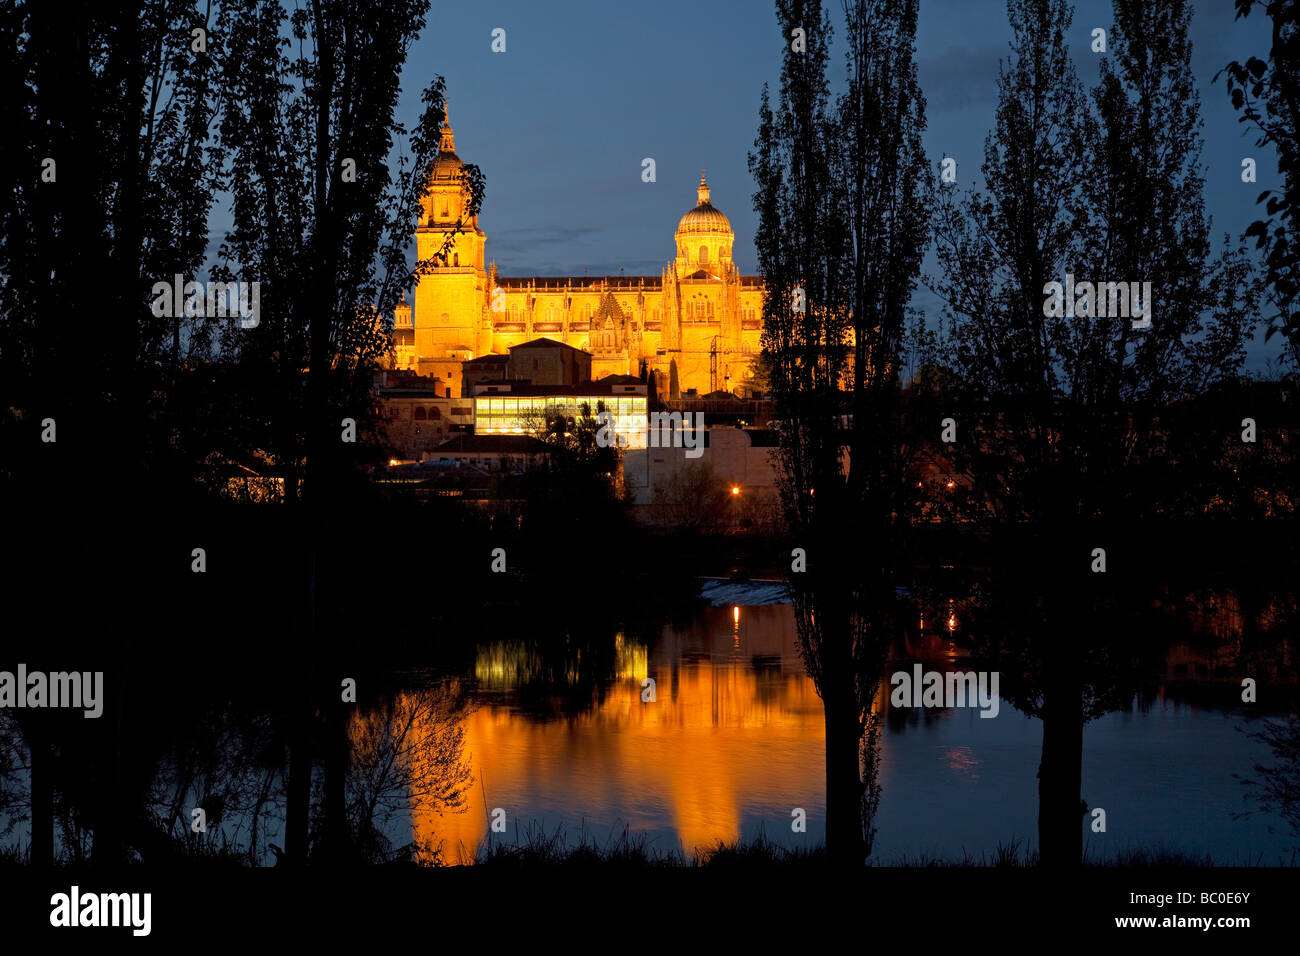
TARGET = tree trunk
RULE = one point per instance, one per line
(336, 769)
(42, 851)
(844, 843)
(299, 788)
(1060, 777)
(110, 824)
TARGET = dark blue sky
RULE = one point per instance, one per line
(560, 122)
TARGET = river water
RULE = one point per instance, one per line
(732, 745)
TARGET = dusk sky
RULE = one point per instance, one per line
(561, 121)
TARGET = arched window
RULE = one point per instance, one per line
(420, 414)
(455, 258)
(704, 254)
(435, 413)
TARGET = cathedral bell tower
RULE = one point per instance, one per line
(449, 298)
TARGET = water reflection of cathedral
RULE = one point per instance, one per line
(695, 325)
(734, 716)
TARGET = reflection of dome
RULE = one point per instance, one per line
(704, 218)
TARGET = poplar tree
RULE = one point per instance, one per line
(309, 124)
(841, 204)
(111, 176)
(1070, 410)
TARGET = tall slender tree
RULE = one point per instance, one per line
(113, 175)
(841, 199)
(1068, 404)
(309, 122)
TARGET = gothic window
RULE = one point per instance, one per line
(704, 254)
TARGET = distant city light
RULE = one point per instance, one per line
(735, 489)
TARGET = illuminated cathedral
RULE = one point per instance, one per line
(694, 327)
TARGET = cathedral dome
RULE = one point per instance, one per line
(447, 165)
(704, 218)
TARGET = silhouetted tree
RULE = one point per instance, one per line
(1266, 92)
(107, 111)
(693, 500)
(1062, 406)
(842, 205)
(408, 758)
(309, 120)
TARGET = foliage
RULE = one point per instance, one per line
(1266, 92)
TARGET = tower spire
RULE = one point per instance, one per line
(448, 142)
(703, 191)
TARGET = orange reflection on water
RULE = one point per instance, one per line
(733, 732)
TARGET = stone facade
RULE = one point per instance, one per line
(695, 326)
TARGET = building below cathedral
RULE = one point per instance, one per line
(695, 327)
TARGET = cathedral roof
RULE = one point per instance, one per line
(704, 218)
(544, 343)
(608, 309)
